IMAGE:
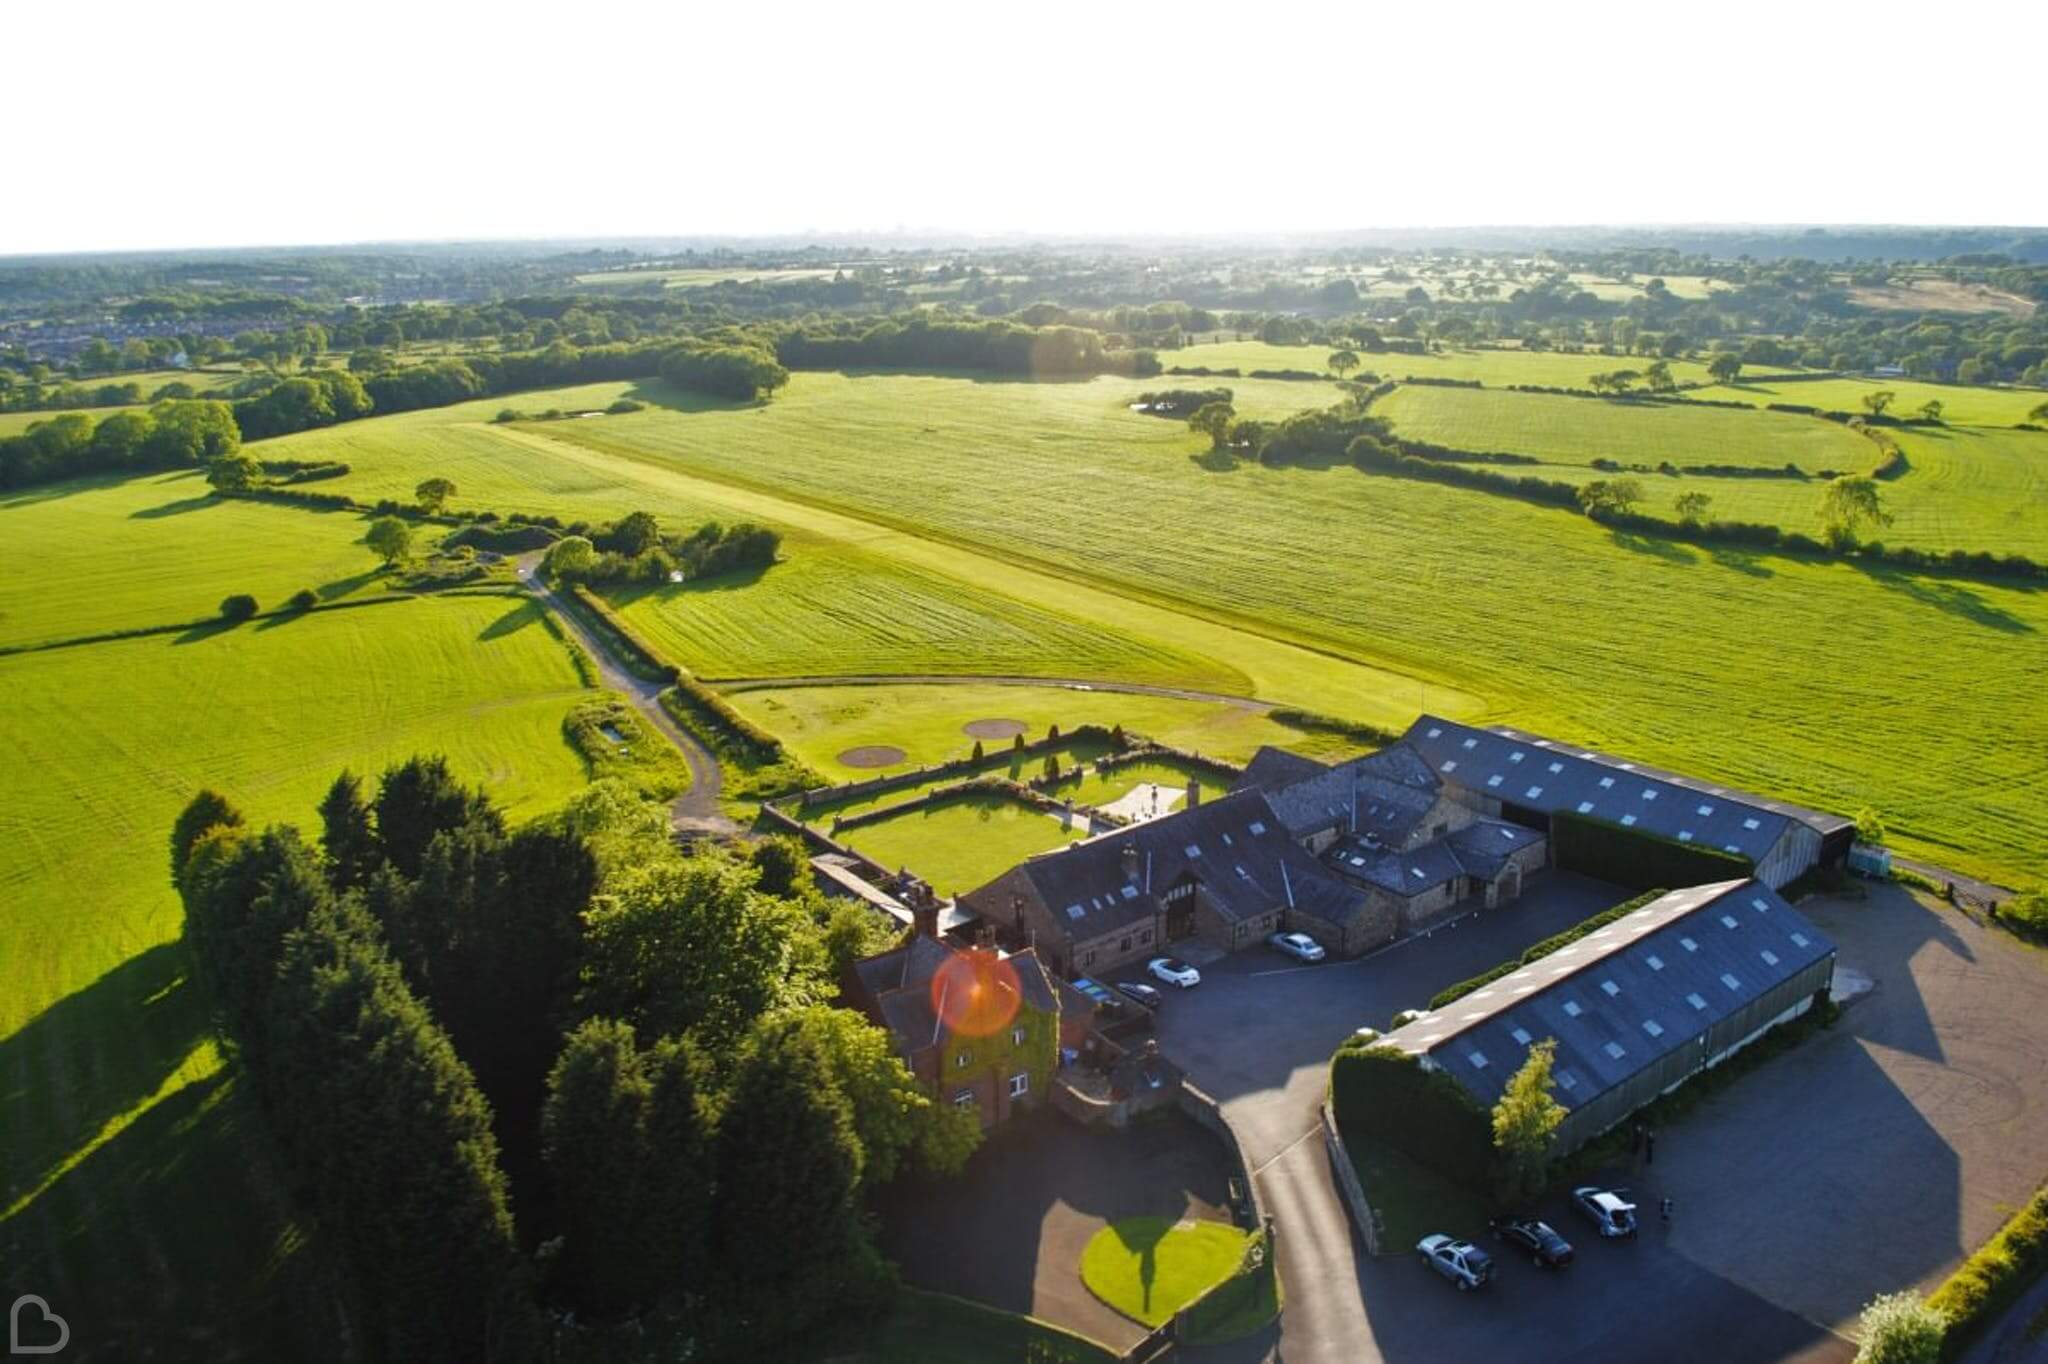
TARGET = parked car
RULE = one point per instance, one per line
(1300, 946)
(1174, 972)
(1545, 1246)
(1141, 992)
(1463, 1263)
(1614, 1215)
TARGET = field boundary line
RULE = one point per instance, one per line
(1171, 693)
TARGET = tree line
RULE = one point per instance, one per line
(428, 998)
(173, 434)
(634, 549)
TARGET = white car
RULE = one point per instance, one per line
(1614, 1215)
(1463, 1263)
(1300, 946)
(1174, 972)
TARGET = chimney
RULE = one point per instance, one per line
(1194, 792)
(924, 916)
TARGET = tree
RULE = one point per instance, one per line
(1877, 402)
(2038, 413)
(1213, 420)
(1898, 1328)
(348, 843)
(977, 754)
(569, 559)
(1658, 377)
(782, 865)
(594, 1140)
(433, 494)
(1610, 496)
(1723, 366)
(234, 473)
(1692, 507)
(1869, 826)
(205, 812)
(419, 799)
(890, 1108)
(1849, 504)
(237, 608)
(634, 535)
(1525, 1123)
(390, 539)
(1931, 409)
(1342, 362)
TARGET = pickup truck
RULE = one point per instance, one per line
(1464, 1264)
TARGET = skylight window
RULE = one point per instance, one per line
(1471, 743)
(1567, 1079)
(1611, 988)
(1194, 850)
(1727, 921)
(1606, 782)
(1075, 911)
(1770, 957)
(1242, 872)
(1730, 981)
(1653, 1027)
(1450, 765)
(1572, 1009)
(1706, 809)
(1649, 793)
(1532, 793)
(1685, 835)
(1616, 1050)
(1521, 1035)
(1760, 905)
(1628, 821)
(1226, 840)
(1493, 780)
(1752, 824)
(1477, 1058)
(1517, 756)
(1696, 1002)
(1416, 872)
(1585, 807)
(1800, 939)
(1656, 962)
(1688, 944)
(1258, 826)
(1130, 892)
(1436, 732)
(1556, 768)
(1730, 848)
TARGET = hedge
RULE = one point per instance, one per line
(1550, 944)
(1637, 860)
(1387, 1094)
(1316, 722)
(1993, 1279)
(639, 656)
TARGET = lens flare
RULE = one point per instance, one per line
(976, 993)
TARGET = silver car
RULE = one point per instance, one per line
(1300, 946)
(1614, 1215)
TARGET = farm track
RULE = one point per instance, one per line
(989, 679)
(696, 810)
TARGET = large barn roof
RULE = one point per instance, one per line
(1619, 999)
(1543, 774)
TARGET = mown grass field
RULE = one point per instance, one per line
(819, 723)
(964, 843)
(883, 617)
(1577, 430)
(1829, 683)
(1148, 1268)
(136, 1190)
(99, 555)
(1960, 404)
(1494, 368)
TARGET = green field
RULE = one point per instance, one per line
(1576, 430)
(135, 1187)
(1829, 683)
(1495, 368)
(964, 843)
(158, 550)
(1960, 404)
(1097, 787)
(819, 723)
(696, 279)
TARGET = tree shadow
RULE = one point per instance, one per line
(177, 508)
(1214, 461)
(1652, 547)
(204, 630)
(622, 595)
(1950, 596)
(656, 393)
(520, 617)
(341, 587)
(1741, 561)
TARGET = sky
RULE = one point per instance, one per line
(243, 124)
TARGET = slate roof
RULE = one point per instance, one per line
(1484, 846)
(1618, 1000)
(1386, 793)
(1234, 845)
(1273, 768)
(899, 983)
(836, 876)
(1543, 774)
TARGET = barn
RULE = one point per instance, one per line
(1530, 780)
(1637, 1008)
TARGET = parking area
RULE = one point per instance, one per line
(1010, 1231)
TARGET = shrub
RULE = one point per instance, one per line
(625, 405)
(1632, 858)
(1991, 1280)
(1386, 1094)
(1900, 1329)
(509, 414)
(305, 599)
(2026, 915)
(238, 607)
(1452, 993)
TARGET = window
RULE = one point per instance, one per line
(1628, 821)
(1770, 957)
(1532, 793)
(1568, 1079)
(1146, 936)
(1019, 1086)
(961, 1061)
(1193, 850)
(1616, 1050)
(1706, 809)
(1752, 824)
(1477, 1058)
(1653, 1027)
(1556, 768)
(1075, 911)
(1696, 1002)
(1656, 962)
(1493, 780)
(1088, 957)
(1125, 945)
(1521, 1035)
(1516, 756)
(1730, 981)
(1016, 1037)
(1257, 828)
(1799, 939)
(1130, 892)
(1585, 807)
(1471, 743)
(1649, 793)
(963, 1098)
(1688, 944)
(1436, 732)
(1450, 765)
(1611, 988)
(1606, 782)
(1685, 835)
(1571, 1008)
(1728, 921)
(1760, 905)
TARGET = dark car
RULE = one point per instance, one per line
(1144, 994)
(1544, 1245)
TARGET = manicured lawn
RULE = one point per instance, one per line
(134, 1181)
(1490, 367)
(1148, 1268)
(1960, 403)
(1578, 430)
(962, 844)
(1412, 1200)
(925, 721)
(1097, 787)
(99, 555)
